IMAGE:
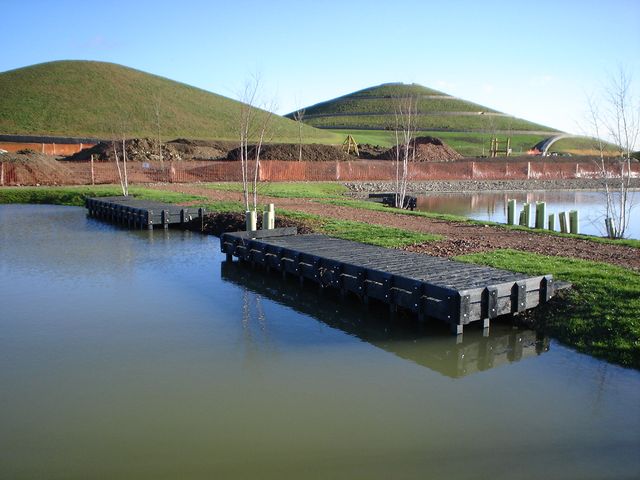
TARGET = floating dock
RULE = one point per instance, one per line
(475, 351)
(455, 292)
(141, 214)
(389, 200)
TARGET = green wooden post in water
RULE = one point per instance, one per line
(523, 218)
(574, 222)
(552, 222)
(511, 212)
(563, 222)
(528, 209)
(541, 214)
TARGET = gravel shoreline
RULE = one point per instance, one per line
(359, 188)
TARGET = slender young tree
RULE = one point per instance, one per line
(298, 116)
(254, 124)
(405, 148)
(616, 115)
(157, 113)
(121, 162)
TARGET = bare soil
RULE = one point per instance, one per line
(146, 150)
(460, 237)
(291, 152)
(427, 149)
(34, 169)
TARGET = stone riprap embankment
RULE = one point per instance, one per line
(363, 188)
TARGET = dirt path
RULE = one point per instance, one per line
(460, 238)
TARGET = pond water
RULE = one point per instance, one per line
(492, 205)
(144, 355)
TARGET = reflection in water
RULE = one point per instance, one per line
(431, 346)
(128, 356)
(492, 206)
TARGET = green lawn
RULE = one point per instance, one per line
(599, 316)
(75, 196)
(469, 144)
(428, 122)
(362, 232)
(288, 189)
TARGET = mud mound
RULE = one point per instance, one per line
(146, 150)
(428, 149)
(33, 169)
(201, 149)
(218, 223)
(290, 152)
(368, 150)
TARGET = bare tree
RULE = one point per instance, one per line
(298, 116)
(120, 137)
(254, 124)
(406, 112)
(616, 115)
(157, 104)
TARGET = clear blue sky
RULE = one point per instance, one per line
(535, 59)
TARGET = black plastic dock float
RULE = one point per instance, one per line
(455, 292)
(389, 199)
(141, 214)
(475, 351)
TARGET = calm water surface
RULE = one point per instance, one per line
(493, 206)
(134, 355)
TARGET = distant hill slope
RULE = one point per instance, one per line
(94, 99)
(374, 108)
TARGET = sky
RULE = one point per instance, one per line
(537, 60)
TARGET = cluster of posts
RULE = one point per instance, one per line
(568, 220)
(268, 219)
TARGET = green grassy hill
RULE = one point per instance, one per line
(97, 99)
(374, 108)
(369, 114)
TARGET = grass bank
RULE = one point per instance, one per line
(288, 189)
(380, 235)
(599, 316)
(332, 193)
(456, 218)
(74, 196)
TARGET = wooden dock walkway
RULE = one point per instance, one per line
(141, 214)
(455, 292)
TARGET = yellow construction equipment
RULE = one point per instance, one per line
(349, 145)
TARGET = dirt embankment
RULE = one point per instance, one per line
(426, 149)
(291, 152)
(146, 150)
(31, 168)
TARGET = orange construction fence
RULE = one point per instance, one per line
(82, 173)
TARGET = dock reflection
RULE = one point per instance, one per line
(429, 345)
